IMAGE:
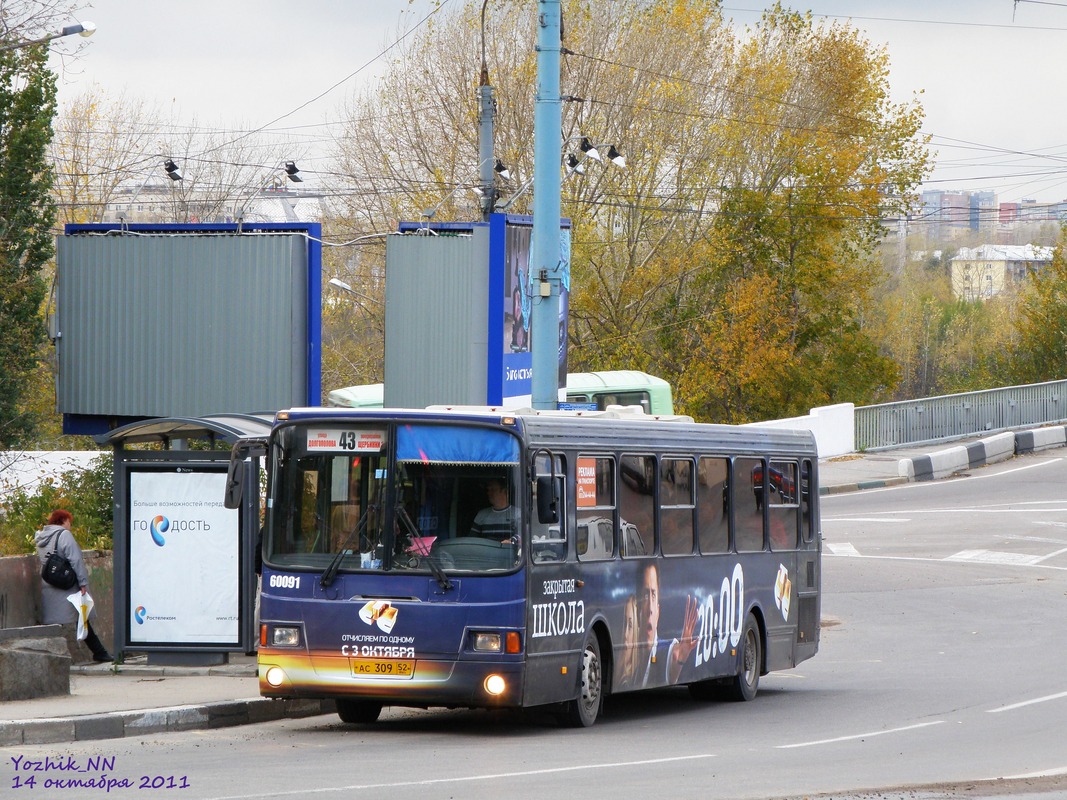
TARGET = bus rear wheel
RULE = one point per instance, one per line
(584, 709)
(744, 685)
(356, 712)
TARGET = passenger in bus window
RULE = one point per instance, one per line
(499, 520)
(674, 654)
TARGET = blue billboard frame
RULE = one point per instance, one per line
(83, 424)
(509, 366)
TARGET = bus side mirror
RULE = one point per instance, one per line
(235, 473)
(548, 494)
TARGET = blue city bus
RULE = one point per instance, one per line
(486, 558)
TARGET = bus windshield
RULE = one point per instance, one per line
(395, 497)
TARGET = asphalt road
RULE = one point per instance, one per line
(942, 664)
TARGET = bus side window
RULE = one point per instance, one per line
(748, 491)
(548, 540)
(637, 485)
(595, 501)
(713, 505)
(783, 487)
(676, 506)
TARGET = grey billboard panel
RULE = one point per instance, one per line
(181, 324)
(436, 319)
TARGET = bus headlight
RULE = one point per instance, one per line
(285, 636)
(275, 676)
(487, 642)
(495, 685)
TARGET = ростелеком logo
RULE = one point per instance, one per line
(139, 614)
(157, 528)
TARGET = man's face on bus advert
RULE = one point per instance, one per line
(650, 604)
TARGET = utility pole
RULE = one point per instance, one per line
(545, 277)
(485, 133)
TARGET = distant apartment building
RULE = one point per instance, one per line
(1032, 211)
(163, 203)
(981, 272)
(951, 214)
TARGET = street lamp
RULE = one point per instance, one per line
(81, 28)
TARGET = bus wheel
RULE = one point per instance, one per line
(356, 712)
(743, 686)
(583, 711)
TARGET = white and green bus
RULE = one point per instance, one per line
(601, 389)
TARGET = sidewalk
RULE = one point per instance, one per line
(132, 699)
(108, 701)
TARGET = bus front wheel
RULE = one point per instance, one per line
(356, 712)
(584, 709)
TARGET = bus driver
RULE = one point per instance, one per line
(499, 520)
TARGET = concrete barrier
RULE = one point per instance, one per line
(1040, 439)
(33, 662)
(990, 450)
(20, 593)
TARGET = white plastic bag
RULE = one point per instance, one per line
(84, 604)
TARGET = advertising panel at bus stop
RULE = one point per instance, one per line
(184, 557)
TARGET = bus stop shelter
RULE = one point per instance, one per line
(184, 565)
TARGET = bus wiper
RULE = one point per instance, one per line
(330, 573)
(415, 533)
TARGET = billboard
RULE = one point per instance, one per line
(185, 320)
(458, 314)
(183, 559)
(514, 306)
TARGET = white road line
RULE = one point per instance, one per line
(1036, 700)
(865, 519)
(462, 779)
(843, 549)
(859, 736)
(927, 484)
(996, 557)
(1047, 773)
(1053, 554)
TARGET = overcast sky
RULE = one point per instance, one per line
(993, 73)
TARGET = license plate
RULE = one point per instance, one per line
(382, 668)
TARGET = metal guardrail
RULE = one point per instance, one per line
(955, 416)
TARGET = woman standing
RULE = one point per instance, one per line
(55, 608)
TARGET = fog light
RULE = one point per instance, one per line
(275, 676)
(495, 685)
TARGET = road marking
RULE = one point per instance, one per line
(865, 519)
(843, 549)
(463, 779)
(921, 484)
(1048, 773)
(1053, 554)
(995, 557)
(859, 736)
(1014, 706)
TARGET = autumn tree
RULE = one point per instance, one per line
(734, 255)
(27, 212)
(103, 146)
(1040, 348)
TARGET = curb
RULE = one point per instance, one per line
(116, 725)
(952, 460)
(842, 488)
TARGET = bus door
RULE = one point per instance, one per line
(781, 495)
(555, 624)
(808, 564)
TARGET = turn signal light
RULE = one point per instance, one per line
(512, 644)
